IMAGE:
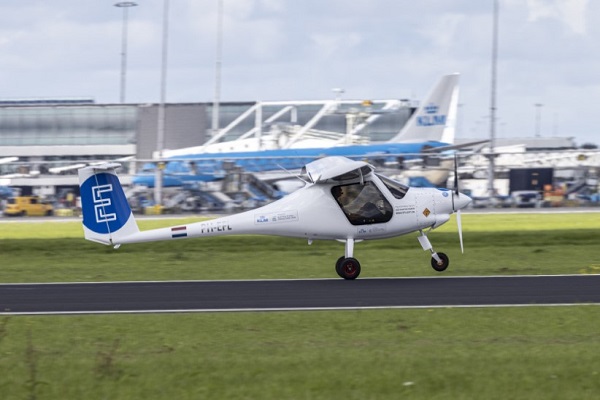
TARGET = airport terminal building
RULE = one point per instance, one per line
(64, 130)
(44, 142)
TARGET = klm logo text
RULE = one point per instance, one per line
(431, 120)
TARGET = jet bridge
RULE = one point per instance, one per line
(299, 124)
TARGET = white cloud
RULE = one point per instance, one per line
(281, 50)
(331, 44)
(572, 13)
(443, 33)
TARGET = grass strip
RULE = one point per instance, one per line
(46, 252)
(517, 353)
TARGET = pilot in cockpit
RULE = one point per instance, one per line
(362, 203)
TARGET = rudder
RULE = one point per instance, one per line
(435, 118)
(107, 216)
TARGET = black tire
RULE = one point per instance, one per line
(338, 266)
(443, 266)
(348, 268)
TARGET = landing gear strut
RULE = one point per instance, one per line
(439, 261)
(348, 267)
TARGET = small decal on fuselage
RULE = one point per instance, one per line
(371, 230)
(212, 227)
(179, 231)
(276, 217)
(405, 209)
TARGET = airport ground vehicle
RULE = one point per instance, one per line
(27, 205)
(527, 198)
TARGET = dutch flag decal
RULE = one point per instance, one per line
(179, 231)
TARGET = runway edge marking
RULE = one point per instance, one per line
(233, 310)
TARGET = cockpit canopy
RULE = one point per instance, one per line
(336, 169)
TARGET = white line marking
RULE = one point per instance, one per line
(221, 310)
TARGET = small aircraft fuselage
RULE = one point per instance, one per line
(344, 200)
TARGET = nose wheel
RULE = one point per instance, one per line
(347, 268)
(439, 261)
(442, 264)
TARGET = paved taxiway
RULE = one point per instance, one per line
(199, 296)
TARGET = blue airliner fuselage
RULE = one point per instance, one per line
(208, 167)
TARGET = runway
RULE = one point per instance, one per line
(317, 294)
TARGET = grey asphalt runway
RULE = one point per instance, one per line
(198, 296)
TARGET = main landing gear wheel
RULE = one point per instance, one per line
(347, 268)
(440, 266)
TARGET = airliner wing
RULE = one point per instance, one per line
(454, 146)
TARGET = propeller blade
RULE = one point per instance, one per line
(456, 193)
(453, 208)
(455, 174)
(459, 223)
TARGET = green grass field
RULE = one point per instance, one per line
(494, 245)
(475, 353)
(507, 353)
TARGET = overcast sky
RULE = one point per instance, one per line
(549, 53)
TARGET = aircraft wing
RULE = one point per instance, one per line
(454, 146)
(335, 168)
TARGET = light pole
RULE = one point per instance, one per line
(125, 6)
(492, 161)
(160, 132)
(218, 63)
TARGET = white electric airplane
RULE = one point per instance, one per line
(343, 199)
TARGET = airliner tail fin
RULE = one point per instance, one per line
(435, 118)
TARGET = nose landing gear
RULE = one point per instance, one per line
(439, 261)
(442, 264)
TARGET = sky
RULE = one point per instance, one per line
(548, 54)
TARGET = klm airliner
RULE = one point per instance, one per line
(431, 126)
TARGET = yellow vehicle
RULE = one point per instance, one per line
(27, 205)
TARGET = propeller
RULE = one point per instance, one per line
(456, 194)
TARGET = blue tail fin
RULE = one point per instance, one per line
(107, 217)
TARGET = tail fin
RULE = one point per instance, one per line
(436, 116)
(107, 216)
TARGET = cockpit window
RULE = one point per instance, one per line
(363, 203)
(397, 189)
